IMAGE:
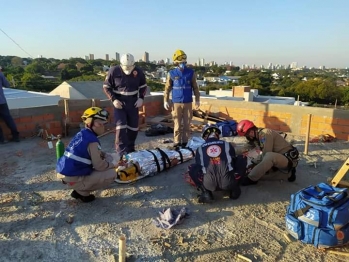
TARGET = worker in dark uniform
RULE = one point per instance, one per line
(215, 167)
(277, 153)
(125, 85)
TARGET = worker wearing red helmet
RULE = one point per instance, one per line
(276, 152)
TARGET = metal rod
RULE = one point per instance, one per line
(307, 135)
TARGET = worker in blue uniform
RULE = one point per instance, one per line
(84, 167)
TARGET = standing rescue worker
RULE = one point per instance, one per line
(5, 112)
(276, 152)
(215, 167)
(126, 86)
(181, 83)
(84, 167)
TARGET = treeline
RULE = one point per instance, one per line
(315, 86)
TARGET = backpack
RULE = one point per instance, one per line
(319, 215)
(227, 127)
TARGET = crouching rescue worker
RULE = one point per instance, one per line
(215, 167)
(277, 154)
(125, 85)
(84, 167)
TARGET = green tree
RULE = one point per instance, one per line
(87, 69)
(16, 61)
(35, 68)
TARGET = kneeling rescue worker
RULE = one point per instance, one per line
(276, 153)
(215, 167)
(84, 167)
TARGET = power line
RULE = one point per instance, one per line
(16, 43)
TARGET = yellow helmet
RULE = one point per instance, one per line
(95, 113)
(179, 56)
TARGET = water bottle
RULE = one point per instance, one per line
(59, 147)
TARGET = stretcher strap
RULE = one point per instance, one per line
(165, 158)
(156, 161)
(180, 154)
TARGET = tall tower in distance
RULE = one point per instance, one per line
(92, 57)
(117, 56)
(107, 57)
(146, 57)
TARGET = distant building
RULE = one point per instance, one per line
(107, 57)
(294, 65)
(117, 56)
(92, 57)
(87, 57)
(146, 57)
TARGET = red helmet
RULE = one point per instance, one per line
(244, 126)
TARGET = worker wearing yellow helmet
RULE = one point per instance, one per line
(84, 167)
(181, 83)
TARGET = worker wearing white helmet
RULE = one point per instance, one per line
(126, 86)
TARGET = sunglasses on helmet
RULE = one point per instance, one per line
(182, 58)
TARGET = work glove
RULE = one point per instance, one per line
(139, 102)
(257, 159)
(166, 105)
(197, 104)
(117, 104)
(114, 159)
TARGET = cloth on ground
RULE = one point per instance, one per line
(170, 217)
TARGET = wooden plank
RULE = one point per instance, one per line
(340, 173)
(66, 119)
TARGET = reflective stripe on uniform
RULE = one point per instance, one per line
(121, 127)
(145, 85)
(126, 126)
(77, 158)
(229, 159)
(124, 93)
(132, 128)
(202, 160)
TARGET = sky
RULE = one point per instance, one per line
(309, 32)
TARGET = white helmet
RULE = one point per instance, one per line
(127, 62)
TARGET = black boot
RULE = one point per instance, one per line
(235, 192)
(246, 181)
(205, 196)
(85, 199)
(292, 178)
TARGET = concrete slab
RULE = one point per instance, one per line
(39, 220)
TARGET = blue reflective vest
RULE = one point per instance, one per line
(76, 160)
(182, 91)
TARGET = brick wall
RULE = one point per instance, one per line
(292, 119)
(238, 91)
(286, 118)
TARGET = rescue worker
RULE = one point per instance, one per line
(5, 112)
(215, 167)
(277, 153)
(126, 86)
(84, 167)
(181, 83)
